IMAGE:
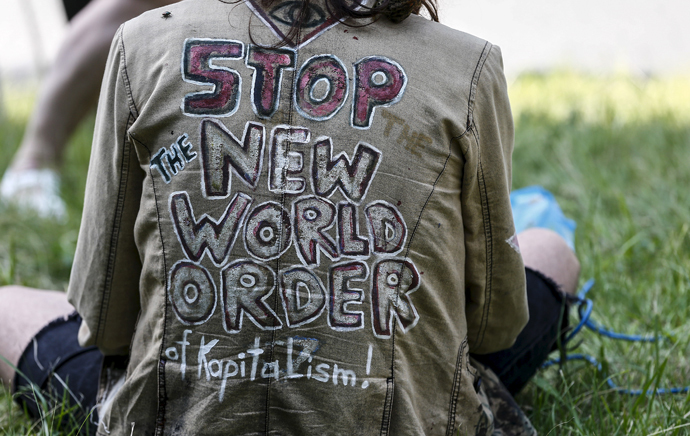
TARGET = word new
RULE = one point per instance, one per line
(222, 154)
(321, 87)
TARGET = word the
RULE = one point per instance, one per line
(414, 142)
(179, 155)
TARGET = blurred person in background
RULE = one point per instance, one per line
(68, 92)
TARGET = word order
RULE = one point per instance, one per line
(321, 87)
(227, 368)
(246, 285)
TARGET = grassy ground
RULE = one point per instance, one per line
(615, 151)
(36, 252)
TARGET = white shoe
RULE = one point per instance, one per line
(35, 189)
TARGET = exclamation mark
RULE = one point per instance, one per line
(365, 384)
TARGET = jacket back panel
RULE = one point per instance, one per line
(301, 222)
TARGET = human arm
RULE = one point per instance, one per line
(496, 304)
(104, 284)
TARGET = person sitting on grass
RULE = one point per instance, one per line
(68, 92)
(330, 251)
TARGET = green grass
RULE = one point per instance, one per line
(615, 151)
(38, 253)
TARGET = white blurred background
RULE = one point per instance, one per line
(642, 37)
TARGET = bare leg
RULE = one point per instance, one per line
(545, 251)
(23, 313)
(71, 88)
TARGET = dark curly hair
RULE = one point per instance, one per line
(392, 10)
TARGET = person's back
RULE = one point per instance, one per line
(316, 234)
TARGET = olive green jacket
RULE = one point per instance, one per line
(304, 239)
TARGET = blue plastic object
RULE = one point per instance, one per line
(534, 206)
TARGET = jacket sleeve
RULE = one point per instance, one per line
(105, 275)
(496, 301)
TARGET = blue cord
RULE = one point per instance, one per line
(592, 361)
(584, 310)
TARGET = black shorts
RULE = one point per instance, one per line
(548, 323)
(54, 358)
(63, 373)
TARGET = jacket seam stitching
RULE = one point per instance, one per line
(475, 78)
(125, 74)
(386, 418)
(455, 392)
(112, 256)
(407, 252)
(475, 81)
(470, 98)
(488, 235)
(459, 137)
(283, 202)
(486, 213)
(160, 414)
(421, 212)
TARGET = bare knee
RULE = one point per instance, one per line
(23, 313)
(545, 251)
